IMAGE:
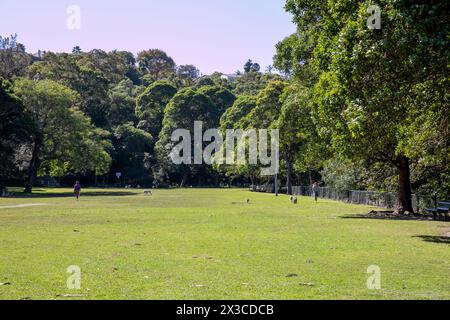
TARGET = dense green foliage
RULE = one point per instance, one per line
(120, 108)
(64, 138)
(379, 96)
(361, 107)
(150, 106)
(13, 58)
(14, 129)
(186, 107)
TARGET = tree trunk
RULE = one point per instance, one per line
(217, 180)
(289, 177)
(404, 185)
(252, 180)
(183, 181)
(33, 168)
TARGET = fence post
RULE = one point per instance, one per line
(417, 204)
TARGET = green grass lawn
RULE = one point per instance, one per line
(210, 244)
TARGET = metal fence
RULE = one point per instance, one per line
(387, 200)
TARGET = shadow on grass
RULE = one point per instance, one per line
(387, 217)
(70, 194)
(434, 239)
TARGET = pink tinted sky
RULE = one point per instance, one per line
(214, 35)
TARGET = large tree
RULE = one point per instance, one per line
(150, 106)
(132, 153)
(252, 83)
(188, 72)
(299, 145)
(374, 84)
(221, 97)
(232, 119)
(114, 66)
(64, 136)
(15, 129)
(260, 112)
(241, 107)
(122, 104)
(186, 107)
(13, 58)
(251, 66)
(156, 62)
(268, 106)
(90, 83)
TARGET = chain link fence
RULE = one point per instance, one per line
(388, 200)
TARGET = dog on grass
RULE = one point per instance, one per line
(148, 192)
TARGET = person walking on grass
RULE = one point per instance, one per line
(315, 190)
(77, 189)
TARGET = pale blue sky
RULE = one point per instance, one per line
(214, 35)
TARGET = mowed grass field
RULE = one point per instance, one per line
(211, 244)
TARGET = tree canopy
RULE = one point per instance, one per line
(156, 63)
(64, 138)
(356, 106)
(372, 86)
(150, 106)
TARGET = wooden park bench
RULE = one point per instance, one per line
(442, 208)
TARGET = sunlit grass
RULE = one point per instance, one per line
(211, 244)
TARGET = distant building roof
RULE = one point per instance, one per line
(230, 77)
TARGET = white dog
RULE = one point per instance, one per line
(148, 192)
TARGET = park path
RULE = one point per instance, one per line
(23, 205)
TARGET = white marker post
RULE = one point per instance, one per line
(118, 175)
(276, 185)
